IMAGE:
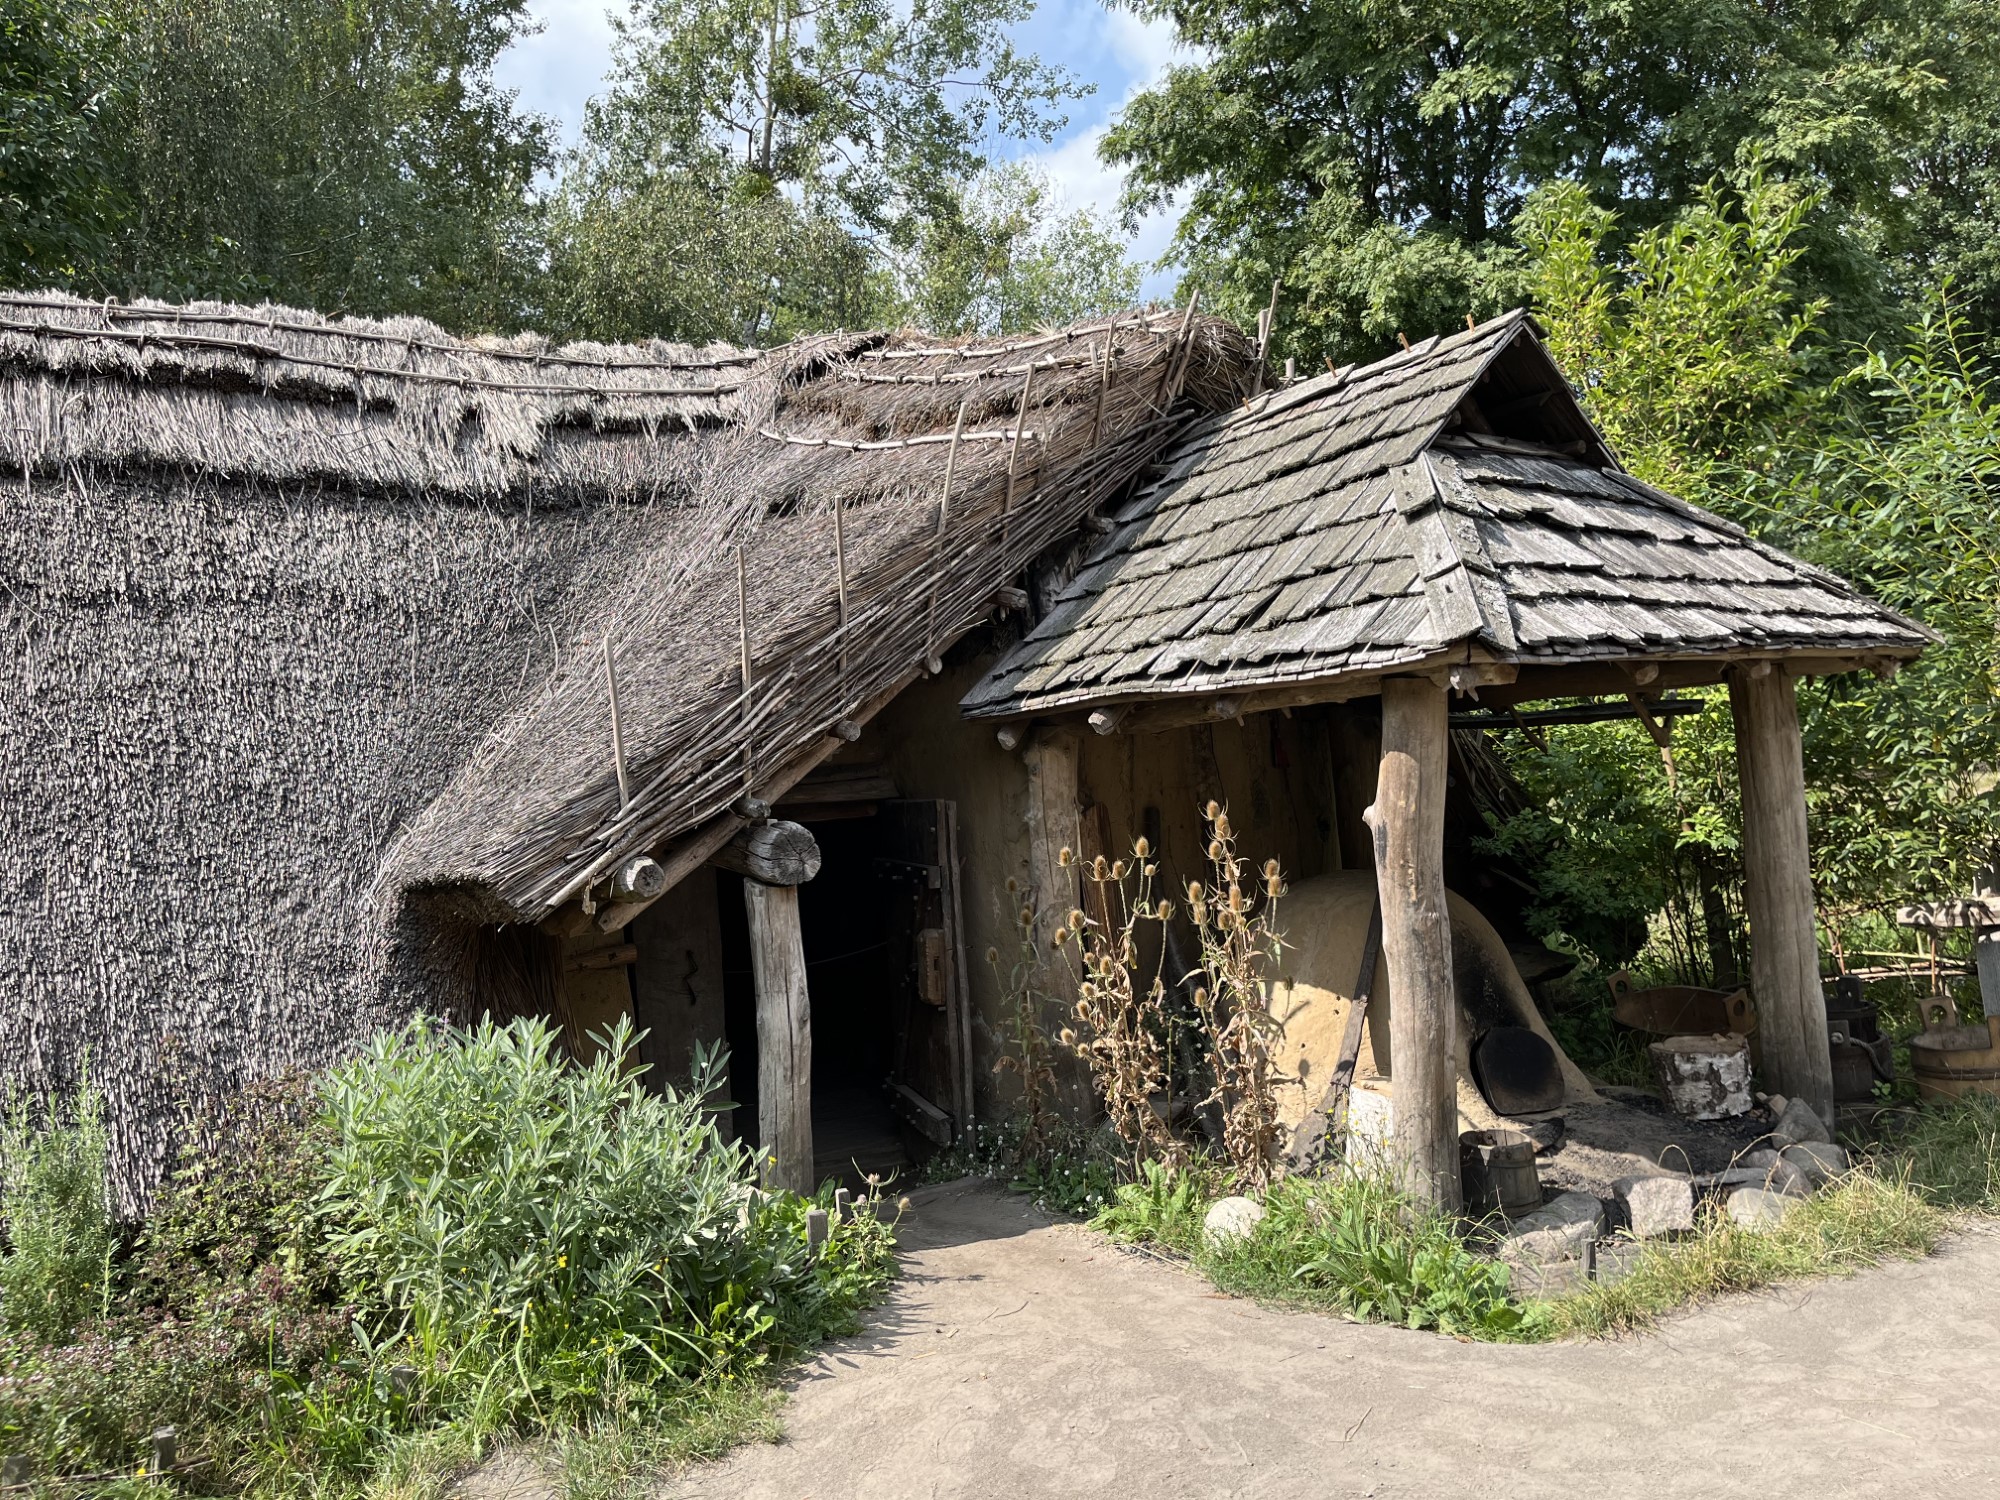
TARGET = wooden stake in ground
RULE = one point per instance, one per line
(1777, 888)
(1407, 820)
(784, 1037)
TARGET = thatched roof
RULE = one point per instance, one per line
(1450, 502)
(275, 394)
(840, 540)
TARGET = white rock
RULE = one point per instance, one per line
(1775, 1172)
(1231, 1219)
(1371, 1121)
(1758, 1208)
(1799, 1123)
(1656, 1205)
(1557, 1230)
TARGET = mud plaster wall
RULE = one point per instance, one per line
(219, 706)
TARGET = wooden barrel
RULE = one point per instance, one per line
(1497, 1170)
(1952, 1061)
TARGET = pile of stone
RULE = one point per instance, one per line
(1796, 1159)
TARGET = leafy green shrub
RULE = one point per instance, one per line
(60, 1233)
(1164, 1205)
(556, 1233)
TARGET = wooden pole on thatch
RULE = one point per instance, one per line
(743, 644)
(617, 728)
(840, 573)
(1014, 449)
(944, 512)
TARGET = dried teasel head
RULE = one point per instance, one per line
(1076, 918)
(1200, 995)
(993, 955)
(1066, 1037)
(1099, 870)
(1027, 916)
(1212, 811)
(1274, 888)
(1141, 846)
(1065, 857)
(1166, 911)
(1236, 898)
(1149, 870)
(1194, 890)
(1061, 937)
(1013, 886)
(1118, 869)
(1270, 869)
(1215, 848)
(1199, 911)
(1222, 825)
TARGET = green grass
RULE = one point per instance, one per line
(1952, 1155)
(1353, 1246)
(1858, 1222)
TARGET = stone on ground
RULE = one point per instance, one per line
(1656, 1205)
(1820, 1162)
(1231, 1219)
(1758, 1208)
(1766, 1168)
(1799, 1123)
(1558, 1230)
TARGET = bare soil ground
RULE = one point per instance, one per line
(1021, 1358)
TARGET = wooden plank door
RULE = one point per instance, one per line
(930, 1074)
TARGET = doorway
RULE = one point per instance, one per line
(878, 925)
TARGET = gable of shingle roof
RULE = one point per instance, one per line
(1337, 529)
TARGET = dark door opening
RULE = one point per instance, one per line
(878, 927)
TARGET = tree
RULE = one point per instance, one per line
(868, 110)
(1004, 261)
(54, 204)
(1374, 154)
(350, 158)
(700, 252)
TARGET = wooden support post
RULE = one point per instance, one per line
(1777, 890)
(777, 853)
(784, 1037)
(1407, 821)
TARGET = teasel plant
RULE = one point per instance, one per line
(1234, 915)
(1122, 1027)
(1030, 1054)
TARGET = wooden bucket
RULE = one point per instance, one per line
(1952, 1061)
(1497, 1171)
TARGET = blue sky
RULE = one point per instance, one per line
(559, 70)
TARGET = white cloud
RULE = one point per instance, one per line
(558, 70)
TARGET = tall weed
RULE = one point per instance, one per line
(60, 1232)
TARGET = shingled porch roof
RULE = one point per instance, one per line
(1449, 504)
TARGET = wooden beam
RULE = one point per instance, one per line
(638, 879)
(1778, 893)
(1054, 823)
(784, 1038)
(774, 853)
(1407, 820)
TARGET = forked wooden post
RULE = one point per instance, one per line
(1777, 888)
(784, 1037)
(1407, 820)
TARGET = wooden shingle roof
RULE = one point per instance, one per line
(1362, 522)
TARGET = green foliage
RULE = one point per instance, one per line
(1003, 262)
(1374, 156)
(60, 1234)
(870, 111)
(560, 1227)
(454, 1237)
(352, 158)
(54, 202)
(1163, 1205)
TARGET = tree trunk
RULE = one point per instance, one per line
(1407, 820)
(784, 1037)
(1777, 890)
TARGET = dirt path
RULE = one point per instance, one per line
(1024, 1359)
